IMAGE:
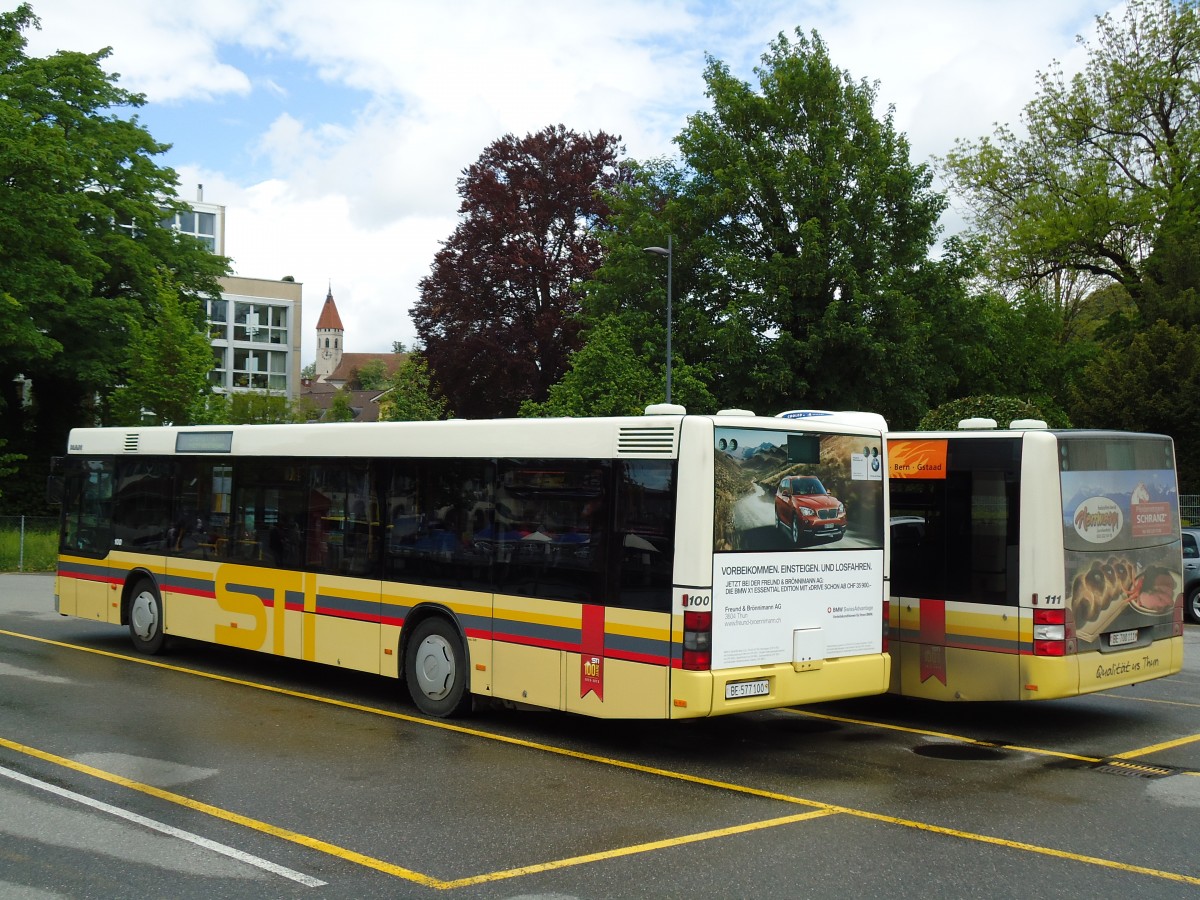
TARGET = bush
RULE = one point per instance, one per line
(1003, 409)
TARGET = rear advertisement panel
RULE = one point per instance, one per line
(798, 540)
(1121, 535)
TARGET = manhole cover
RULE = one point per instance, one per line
(1132, 769)
(960, 752)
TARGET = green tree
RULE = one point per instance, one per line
(371, 375)
(802, 232)
(256, 408)
(169, 363)
(82, 256)
(1151, 383)
(609, 377)
(7, 461)
(1078, 196)
(412, 395)
(340, 409)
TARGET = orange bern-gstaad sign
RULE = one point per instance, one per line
(917, 458)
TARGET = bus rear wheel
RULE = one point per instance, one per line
(146, 618)
(435, 668)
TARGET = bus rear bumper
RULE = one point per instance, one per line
(726, 691)
(1049, 678)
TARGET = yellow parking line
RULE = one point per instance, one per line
(219, 813)
(638, 848)
(821, 808)
(1155, 748)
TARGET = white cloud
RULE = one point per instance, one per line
(362, 159)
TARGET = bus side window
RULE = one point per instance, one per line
(644, 530)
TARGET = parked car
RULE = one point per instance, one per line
(1191, 574)
(807, 510)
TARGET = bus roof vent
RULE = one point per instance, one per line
(735, 412)
(665, 409)
(976, 424)
(643, 440)
(132, 439)
(1028, 424)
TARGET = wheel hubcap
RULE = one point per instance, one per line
(143, 616)
(435, 667)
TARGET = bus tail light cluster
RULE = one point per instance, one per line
(1050, 632)
(697, 641)
(1177, 617)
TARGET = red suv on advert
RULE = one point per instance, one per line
(807, 510)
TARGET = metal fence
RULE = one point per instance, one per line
(1189, 509)
(28, 543)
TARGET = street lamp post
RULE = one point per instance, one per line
(666, 251)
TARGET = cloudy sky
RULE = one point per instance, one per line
(334, 133)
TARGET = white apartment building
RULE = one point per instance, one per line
(254, 326)
(255, 331)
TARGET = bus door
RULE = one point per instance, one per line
(82, 585)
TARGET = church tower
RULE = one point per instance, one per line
(330, 335)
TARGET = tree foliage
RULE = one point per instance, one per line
(803, 234)
(609, 377)
(1107, 160)
(412, 395)
(340, 409)
(497, 313)
(82, 255)
(370, 376)
(256, 408)
(1151, 383)
(169, 363)
(1003, 410)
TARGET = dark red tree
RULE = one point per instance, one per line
(497, 312)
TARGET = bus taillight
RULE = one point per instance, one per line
(1049, 632)
(697, 641)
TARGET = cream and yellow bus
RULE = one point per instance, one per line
(1031, 564)
(640, 567)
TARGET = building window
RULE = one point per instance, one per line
(218, 321)
(217, 375)
(258, 323)
(200, 225)
(259, 369)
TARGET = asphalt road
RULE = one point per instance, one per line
(212, 773)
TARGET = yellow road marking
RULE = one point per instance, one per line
(637, 848)
(1155, 748)
(352, 856)
(219, 813)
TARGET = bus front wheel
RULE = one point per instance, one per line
(435, 668)
(146, 618)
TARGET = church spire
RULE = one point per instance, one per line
(330, 334)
